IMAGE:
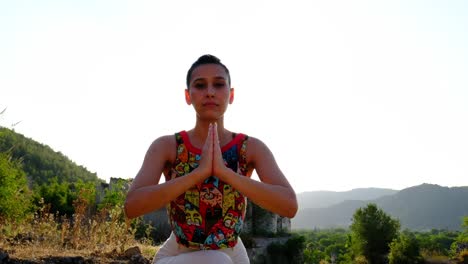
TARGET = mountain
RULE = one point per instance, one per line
(421, 207)
(40, 162)
(428, 206)
(321, 199)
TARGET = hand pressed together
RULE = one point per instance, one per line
(212, 163)
(219, 167)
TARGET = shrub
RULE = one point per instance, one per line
(372, 232)
(462, 257)
(15, 197)
(361, 260)
(405, 250)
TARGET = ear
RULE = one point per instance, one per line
(231, 95)
(187, 97)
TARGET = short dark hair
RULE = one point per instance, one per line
(207, 59)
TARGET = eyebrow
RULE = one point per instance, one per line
(216, 77)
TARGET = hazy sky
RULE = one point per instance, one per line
(346, 94)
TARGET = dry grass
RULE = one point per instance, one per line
(105, 234)
(434, 257)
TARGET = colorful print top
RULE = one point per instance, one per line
(209, 215)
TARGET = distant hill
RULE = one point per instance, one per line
(421, 207)
(40, 162)
(321, 199)
(428, 206)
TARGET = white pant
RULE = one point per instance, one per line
(172, 253)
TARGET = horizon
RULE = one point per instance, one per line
(306, 191)
(297, 193)
(383, 188)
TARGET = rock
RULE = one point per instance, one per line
(132, 252)
(4, 257)
(70, 260)
(138, 259)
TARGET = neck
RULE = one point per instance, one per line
(200, 131)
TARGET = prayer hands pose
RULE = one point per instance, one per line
(209, 91)
(212, 162)
(200, 187)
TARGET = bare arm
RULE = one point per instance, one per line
(274, 192)
(146, 194)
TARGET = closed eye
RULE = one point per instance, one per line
(219, 85)
(199, 85)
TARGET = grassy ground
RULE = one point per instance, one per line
(103, 237)
(35, 253)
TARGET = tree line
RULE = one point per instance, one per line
(374, 238)
(33, 175)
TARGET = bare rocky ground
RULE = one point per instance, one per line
(132, 255)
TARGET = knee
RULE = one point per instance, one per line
(210, 256)
(221, 257)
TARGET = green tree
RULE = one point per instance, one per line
(460, 246)
(60, 196)
(464, 233)
(405, 250)
(114, 195)
(87, 191)
(40, 162)
(326, 246)
(15, 197)
(436, 242)
(57, 195)
(313, 255)
(290, 252)
(295, 248)
(372, 232)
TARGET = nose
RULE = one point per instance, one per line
(211, 91)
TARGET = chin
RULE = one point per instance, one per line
(211, 118)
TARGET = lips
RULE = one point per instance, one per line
(210, 104)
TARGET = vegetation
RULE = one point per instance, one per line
(282, 253)
(418, 208)
(339, 246)
(326, 245)
(103, 235)
(459, 249)
(405, 250)
(31, 172)
(14, 192)
(49, 205)
(114, 195)
(372, 231)
(40, 162)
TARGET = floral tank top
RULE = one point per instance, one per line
(209, 215)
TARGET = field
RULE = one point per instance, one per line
(103, 238)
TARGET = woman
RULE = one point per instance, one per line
(207, 171)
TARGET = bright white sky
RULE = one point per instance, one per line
(346, 94)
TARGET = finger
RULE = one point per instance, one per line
(210, 137)
(215, 134)
(205, 164)
(218, 162)
(217, 146)
(208, 146)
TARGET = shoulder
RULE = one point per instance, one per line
(255, 143)
(164, 141)
(256, 148)
(164, 145)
